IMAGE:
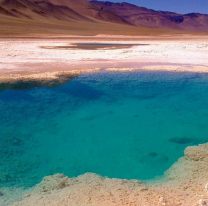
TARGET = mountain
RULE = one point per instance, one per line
(82, 17)
(59, 9)
(158, 19)
(39, 10)
(89, 9)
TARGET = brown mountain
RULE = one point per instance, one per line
(158, 19)
(39, 10)
(90, 10)
(82, 17)
(59, 9)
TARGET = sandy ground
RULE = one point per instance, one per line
(184, 184)
(23, 58)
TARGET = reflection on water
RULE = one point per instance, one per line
(132, 125)
(94, 46)
(29, 84)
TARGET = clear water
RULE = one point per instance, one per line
(132, 125)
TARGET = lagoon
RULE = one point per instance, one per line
(131, 125)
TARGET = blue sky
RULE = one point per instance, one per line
(179, 6)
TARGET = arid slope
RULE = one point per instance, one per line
(77, 17)
(158, 19)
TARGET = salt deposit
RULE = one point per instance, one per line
(20, 57)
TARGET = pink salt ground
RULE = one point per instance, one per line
(30, 59)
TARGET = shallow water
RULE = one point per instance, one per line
(132, 125)
(94, 46)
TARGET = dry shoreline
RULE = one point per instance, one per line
(184, 184)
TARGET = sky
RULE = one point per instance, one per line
(179, 6)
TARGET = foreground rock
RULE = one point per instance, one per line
(184, 184)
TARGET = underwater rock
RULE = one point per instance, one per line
(153, 154)
(1, 193)
(197, 153)
(81, 90)
(181, 140)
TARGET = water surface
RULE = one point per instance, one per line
(132, 125)
(94, 46)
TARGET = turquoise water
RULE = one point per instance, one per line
(132, 125)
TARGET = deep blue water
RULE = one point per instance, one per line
(132, 125)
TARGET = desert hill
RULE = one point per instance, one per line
(59, 9)
(82, 17)
(39, 10)
(89, 9)
(158, 19)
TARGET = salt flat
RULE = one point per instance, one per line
(45, 58)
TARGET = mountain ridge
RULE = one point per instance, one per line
(93, 17)
(87, 9)
(158, 19)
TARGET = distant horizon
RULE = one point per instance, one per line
(183, 7)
